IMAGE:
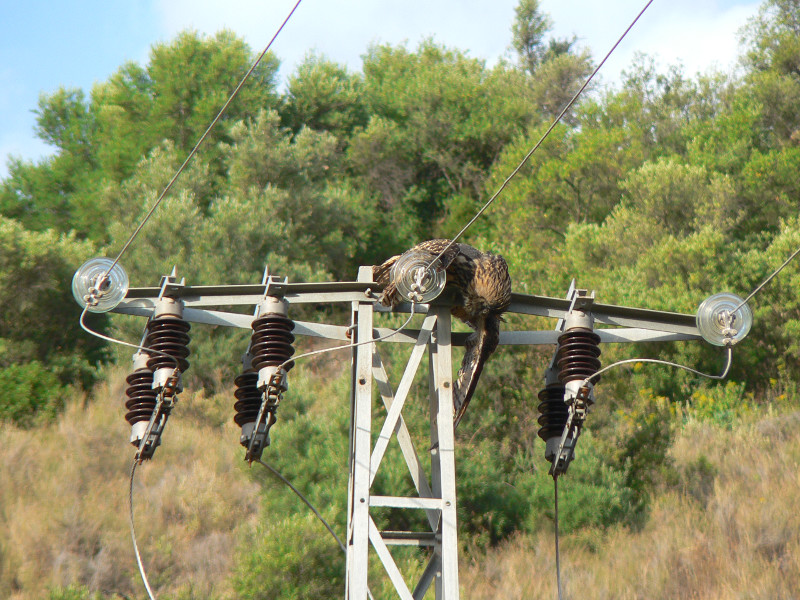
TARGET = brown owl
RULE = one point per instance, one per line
(483, 293)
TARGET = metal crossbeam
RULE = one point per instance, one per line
(624, 324)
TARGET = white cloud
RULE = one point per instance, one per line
(698, 35)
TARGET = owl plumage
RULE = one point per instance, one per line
(483, 292)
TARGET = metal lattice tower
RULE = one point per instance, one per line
(437, 496)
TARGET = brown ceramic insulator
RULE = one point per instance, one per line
(553, 411)
(170, 336)
(271, 343)
(577, 356)
(141, 396)
(248, 398)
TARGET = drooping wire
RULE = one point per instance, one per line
(535, 147)
(555, 523)
(139, 347)
(136, 461)
(305, 501)
(723, 375)
(133, 535)
(317, 514)
(346, 346)
(273, 383)
(201, 140)
(726, 369)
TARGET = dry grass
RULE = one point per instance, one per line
(742, 540)
(64, 498)
(729, 530)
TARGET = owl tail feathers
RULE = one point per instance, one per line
(479, 347)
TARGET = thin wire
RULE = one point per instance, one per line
(546, 133)
(305, 500)
(372, 341)
(133, 535)
(723, 375)
(555, 520)
(283, 366)
(121, 343)
(201, 140)
(766, 281)
(311, 506)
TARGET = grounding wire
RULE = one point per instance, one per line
(133, 534)
(277, 474)
(535, 147)
(555, 522)
(201, 140)
(346, 346)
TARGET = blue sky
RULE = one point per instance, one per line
(47, 44)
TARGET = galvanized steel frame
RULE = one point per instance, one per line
(437, 496)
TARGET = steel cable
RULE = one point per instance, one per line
(305, 501)
(766, 281)
(201, 140)
(656, 361)
(133, 534)
(346, 346)
(544, 136)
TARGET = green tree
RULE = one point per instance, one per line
(556, 70)
(528, 31)
(772, 57)
(194, 75)
(98, 142)
(772, 40)
(50, 195)
(438, 121)
(42, 346)
(323, 96)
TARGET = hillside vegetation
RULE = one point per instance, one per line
(724, 525)
(656, 192)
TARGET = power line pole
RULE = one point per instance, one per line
(435, 495)
(373, 432)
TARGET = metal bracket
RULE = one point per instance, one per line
(170, 286)
(578, 399)
(158, 421)
(578, 410)
(437, 492)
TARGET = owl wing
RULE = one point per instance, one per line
(479, 347)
